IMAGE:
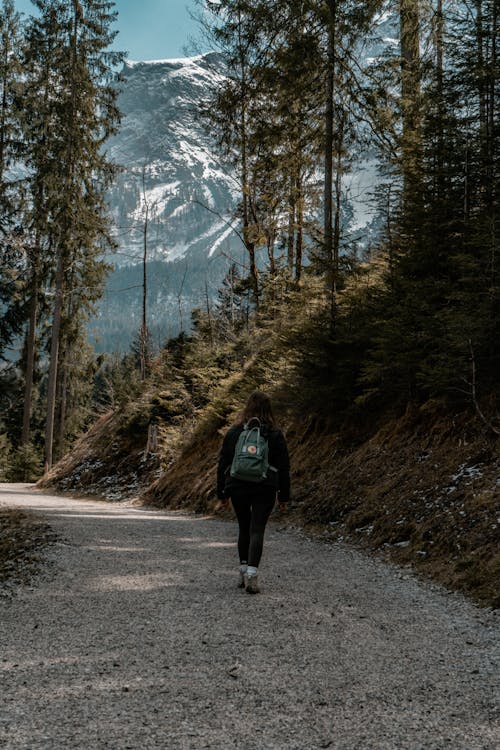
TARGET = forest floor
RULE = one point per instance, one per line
(134, 635)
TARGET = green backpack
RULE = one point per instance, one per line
(250, 462)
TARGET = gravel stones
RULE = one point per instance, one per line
(137, 636)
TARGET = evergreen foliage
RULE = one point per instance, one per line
(417, 317)
(5, 457)
(26, 464)
(67, 110)
(337, 332)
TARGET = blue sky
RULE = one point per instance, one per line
(149, 29)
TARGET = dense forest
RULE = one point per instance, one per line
(339, 328)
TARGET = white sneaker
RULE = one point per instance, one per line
(242, 580)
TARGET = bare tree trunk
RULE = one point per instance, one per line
(338, 202)
(54, 359)
(439, 47)
(329, 152)
(62, 406)
(62, 237)
(144, 323)
(493, 139)
(209, 315)
(439, 42)
(480, 34)
(299, 238)
(270, 240)
(249, 242)
(291, 225)
(390, 238)
(30, 356)
(409, 18)
(3, 115)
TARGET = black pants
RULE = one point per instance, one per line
(252, 509)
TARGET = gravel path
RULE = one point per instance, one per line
(135, 636)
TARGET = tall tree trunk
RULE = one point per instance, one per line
(329, 154)
(144, 323)
(209, 315)
(30, 355)
(493, 129)
(299, 238)
(62, 405)
(248, 239)
(54, 359)
(409, 18)
(3, 114)
(440, 103)
(291, 224)
(270, 242)
(338, 202)
(62, 239)
(480, 35)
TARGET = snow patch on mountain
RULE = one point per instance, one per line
(170, 171)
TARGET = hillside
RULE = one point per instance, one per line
(423, 489)
(420, 486)
(367, 302)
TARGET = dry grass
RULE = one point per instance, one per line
(109, 461)
(423, 490)
(22, 537)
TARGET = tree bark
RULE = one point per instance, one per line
(329, 155)
(30, 358)
(338, 205)
(144, 323)
(409, 17)
(62, 239)
(249, 242)
(62, 403)
(3, 115)
(291, 225)
(54, 359)
(299, 237)
(493, 141)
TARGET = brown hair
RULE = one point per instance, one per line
(258, 405)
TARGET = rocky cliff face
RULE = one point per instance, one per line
(174, 194)
(171, 175)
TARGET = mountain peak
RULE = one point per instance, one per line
(176, 62)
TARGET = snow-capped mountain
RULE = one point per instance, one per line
(171, 173)
(174, 194)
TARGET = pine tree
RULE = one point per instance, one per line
(5, 456)
(440, 313)
(68, 53)
(10, 78)
(11, 196)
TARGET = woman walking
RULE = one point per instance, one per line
(252, 497)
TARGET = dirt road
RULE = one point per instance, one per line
(135, 636)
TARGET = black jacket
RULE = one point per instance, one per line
(278, 457)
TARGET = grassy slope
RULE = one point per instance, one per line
(422, 488)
